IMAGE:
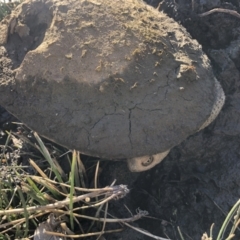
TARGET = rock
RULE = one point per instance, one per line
(112, 79)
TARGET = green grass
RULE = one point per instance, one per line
(6, 8)
(52, 197)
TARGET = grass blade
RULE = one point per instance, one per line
(47, 156)
(72, 191)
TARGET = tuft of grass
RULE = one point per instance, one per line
(42, 199)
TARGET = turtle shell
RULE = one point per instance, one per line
(113, 79)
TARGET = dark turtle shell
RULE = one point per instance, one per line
(114, 79)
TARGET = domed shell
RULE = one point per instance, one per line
(113, 79)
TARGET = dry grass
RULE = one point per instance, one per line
(41, 200)
(50, 192)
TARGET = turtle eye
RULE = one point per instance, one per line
(148, 161)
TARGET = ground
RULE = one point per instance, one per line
(199, 182)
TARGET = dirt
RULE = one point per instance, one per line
(198, 183)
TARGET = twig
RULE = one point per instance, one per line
(81, 235)
(105, 200)
(66, 185)
(116, 192)
(4, 225)
(14, 226)
(139, 215)
(104, 222)
(220, 10)
(145, 232)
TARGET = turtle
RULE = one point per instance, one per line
(113, 79)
